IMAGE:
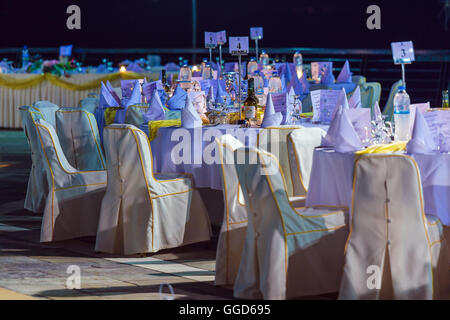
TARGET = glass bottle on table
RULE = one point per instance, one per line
(164, 81)
(252, 66)
(445, 104)
(249, 108)
(298, 62)
(264, 59)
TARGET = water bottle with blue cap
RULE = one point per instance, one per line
(401, 115)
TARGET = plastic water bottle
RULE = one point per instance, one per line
(401, 115)
(25, 56)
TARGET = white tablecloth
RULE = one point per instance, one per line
(332, 178)
(205, 175)
(12, 99)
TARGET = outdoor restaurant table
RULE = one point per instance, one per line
(12, 98)
(205, 175)
(332, 178)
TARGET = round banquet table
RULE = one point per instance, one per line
(206, 175)
(332, 177)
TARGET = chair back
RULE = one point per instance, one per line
(89, 104)
(47, 109)
(300, 145)
(388, 110)
(388, 252)
(78, 134)
(53, 158)
(274, 140)
(135, 114)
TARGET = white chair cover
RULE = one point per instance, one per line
(73, 202)
(288, 252)
(37, 189)
(300, 145)
(142, 211)
(89, 104)
(390, 234)
(47, 110)
(78, 134)
(274, 140)
(135, 114)
(234, 225)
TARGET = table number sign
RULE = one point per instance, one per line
(256, 33)
(403, 52)
(210, 40)
(238, 46)
(221, 37)
(65, 51)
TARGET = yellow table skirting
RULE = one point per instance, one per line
(24, 89)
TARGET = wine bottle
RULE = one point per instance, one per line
(248, 111)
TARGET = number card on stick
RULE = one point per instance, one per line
(221, 37)
(238, 46)
(403, 52)
(210, 39)
(256, 33)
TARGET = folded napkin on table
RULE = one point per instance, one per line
(178, 100)
(189, 116)
(328, 77)
(421, 141)
(345, 76)
(155, 110)
(341, 135)
(271, 117)
(134, 67)
(355, 99)
(135, 98)
(222, 93)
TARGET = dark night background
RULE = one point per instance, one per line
(167, 23)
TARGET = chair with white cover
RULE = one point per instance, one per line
(234, 225)
(142, 211)
(135, 114)
(47, 109)
(89, 103)
(78, 134)
(300, 145)
(74, 198)
(274, 140)
(37, 189)
(394, 251)
(288, 252)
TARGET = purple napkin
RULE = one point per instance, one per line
(345, 76)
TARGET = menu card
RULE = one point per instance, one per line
(324, 103)
(439, 123)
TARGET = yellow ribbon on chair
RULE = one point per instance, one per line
(384, 148)
(153, 126)
(110, 114)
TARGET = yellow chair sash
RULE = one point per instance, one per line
(384, 148)
(110, 114)
(153, 126)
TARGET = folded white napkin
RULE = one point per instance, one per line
(421, 141)
(345, 76)
(189, 116)
(155, 110)
(341, 134)
(271, 117)
(355, 99)
(376, 114)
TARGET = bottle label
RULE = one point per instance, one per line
(250, 112)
